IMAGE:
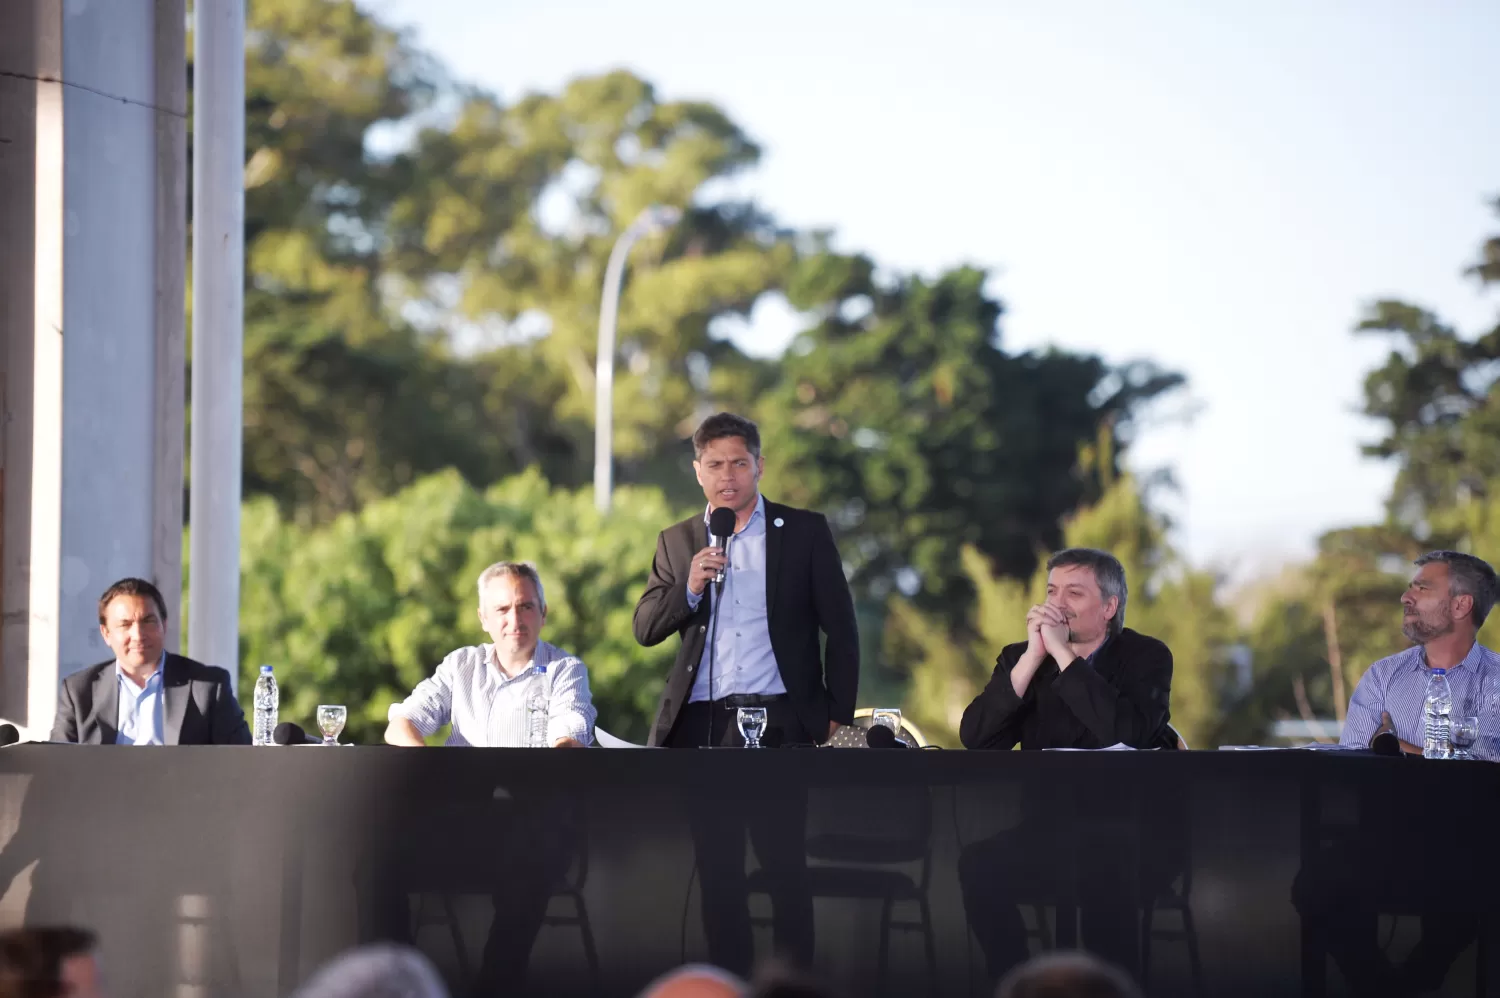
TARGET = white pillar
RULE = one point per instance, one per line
(218, 331)
(92, 253)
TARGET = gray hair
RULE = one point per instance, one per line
(1067, 973)
(516, 570)
(1108, 572)
(381, 970)
(1467, 576)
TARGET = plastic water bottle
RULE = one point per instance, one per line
(267, 704)
(1437, 743)
(536, 710)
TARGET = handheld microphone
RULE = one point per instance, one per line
(287, 733)
(721, 526)
(1385, 742)
(879, 736)
(9, 734)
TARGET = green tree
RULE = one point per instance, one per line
(362, 608)
(900, 415)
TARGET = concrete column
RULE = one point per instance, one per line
(218, 331)
(93, 133)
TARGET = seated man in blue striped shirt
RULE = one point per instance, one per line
(1444, 607)
(484, 689)
(1370, 868)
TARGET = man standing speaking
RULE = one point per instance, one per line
(749, 641)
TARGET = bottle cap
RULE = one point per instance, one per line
(265, 669)
(1435, 672)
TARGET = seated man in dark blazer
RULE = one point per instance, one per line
(1081, 680)
(146, 695)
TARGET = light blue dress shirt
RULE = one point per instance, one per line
(743, 661)
(138, 720)
(1398, 685)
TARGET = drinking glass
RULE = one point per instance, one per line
(752, 722)
(887, 717)
(331, 718)
(1464, 732)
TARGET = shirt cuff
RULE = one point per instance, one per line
(425, 725)
(693, 598)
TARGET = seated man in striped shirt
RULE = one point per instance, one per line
(483, 690)
(523, 845)
(1370, 868)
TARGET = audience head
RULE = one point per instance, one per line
(1066, 975)
(512, 608)
(377, 971)
(696, 980)
(1449, 592)
(1090, 587)
(49, 963)
(133, 622)
(727, 461)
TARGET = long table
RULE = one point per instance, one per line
(238, 871)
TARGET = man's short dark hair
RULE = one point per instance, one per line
(1067, 975)
(132, 587)
(1108, 572)
(726, 424)
(31, 959)
(1467, 576)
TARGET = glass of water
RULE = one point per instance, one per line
(331, 718)
(752, 722)
(887, 717)
(1464, 732)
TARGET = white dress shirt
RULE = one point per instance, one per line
(488, 710)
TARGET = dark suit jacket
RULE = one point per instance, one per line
(1121, 697)
(198, 706)
(805, 591)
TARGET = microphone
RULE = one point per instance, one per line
(721, 526)
(879, 736)
(1385, 742)
(9, 734)
(286, 733)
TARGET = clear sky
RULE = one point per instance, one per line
(1220, 191)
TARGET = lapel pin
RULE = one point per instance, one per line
(779, 521)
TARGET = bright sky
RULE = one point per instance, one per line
(1221, 192)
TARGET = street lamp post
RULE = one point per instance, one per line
(653, 219)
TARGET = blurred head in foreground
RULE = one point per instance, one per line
(49, 963)
(696, 980)
(378, 971)
(1066, 975)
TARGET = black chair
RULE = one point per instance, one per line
(854, 855)
(569, 889)
(1175, 896)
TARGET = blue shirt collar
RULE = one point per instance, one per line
(760, 511)
(161, 666)
(1472, 660)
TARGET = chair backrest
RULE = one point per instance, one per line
(864, 719)
(1178, 742)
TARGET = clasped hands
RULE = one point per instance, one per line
(1047, 634)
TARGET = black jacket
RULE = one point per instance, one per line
(1122, 696)
(805, 592)
(198, 706)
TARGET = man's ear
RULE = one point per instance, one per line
(1463, 605)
